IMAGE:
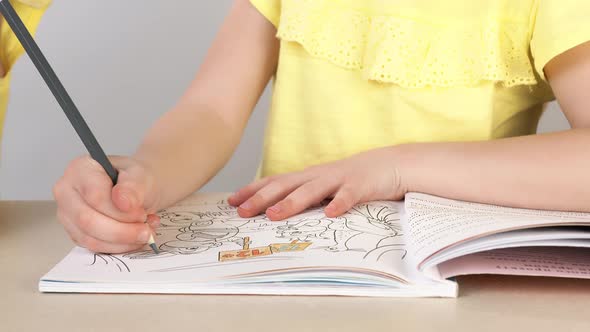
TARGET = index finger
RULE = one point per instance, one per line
(93, 184)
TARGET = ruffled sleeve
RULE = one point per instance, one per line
(271, 9)
(388, 46)
(559, 26)
(30, 11)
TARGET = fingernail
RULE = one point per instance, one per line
(329, 208)
(246, 206)
(155, 222)
(144, 236)
(276, 209)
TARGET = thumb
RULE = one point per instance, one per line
(127, 198)
(129, 194)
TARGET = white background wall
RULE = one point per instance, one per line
(124, 64)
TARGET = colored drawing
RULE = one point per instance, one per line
(246, 252)
(289, 247)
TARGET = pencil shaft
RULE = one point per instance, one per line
(58, 90)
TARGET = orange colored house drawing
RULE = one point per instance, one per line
(246, 252)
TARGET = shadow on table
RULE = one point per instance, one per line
(499, 284)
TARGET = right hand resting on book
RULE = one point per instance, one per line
(103, 218)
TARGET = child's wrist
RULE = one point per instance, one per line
(155, 188)
(406, 161)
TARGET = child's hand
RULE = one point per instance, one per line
(103, 218)
(365, 177)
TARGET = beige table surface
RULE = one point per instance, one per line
(32, 241)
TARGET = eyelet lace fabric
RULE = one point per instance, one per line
(407, 52)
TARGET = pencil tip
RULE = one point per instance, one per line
(154, 248)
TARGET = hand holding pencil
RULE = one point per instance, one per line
(106, 218)
(97, 215)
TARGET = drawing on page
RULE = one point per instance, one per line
(372, 229)
(198, 232)
(274, 248)
(109, 262)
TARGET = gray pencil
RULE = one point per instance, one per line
(63, 98)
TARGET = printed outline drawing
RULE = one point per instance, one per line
(372, 230)
(198, 232)
(362, 222)
(110, 259)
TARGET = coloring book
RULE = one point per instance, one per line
(398, 249)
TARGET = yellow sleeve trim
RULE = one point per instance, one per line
(271, 9)
(30, 12)
(40, 4)
(558, 27)
(555, 47)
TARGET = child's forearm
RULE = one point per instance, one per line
(191, 143)
(549, 171)
(185, 149)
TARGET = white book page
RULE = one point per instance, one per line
(199, 198)
(549, 262)
(205, 243)
(435, 223)
(545, 236)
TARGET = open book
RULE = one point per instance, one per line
(410, 249)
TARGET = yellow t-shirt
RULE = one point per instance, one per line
(357, 75)
(30, 11)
